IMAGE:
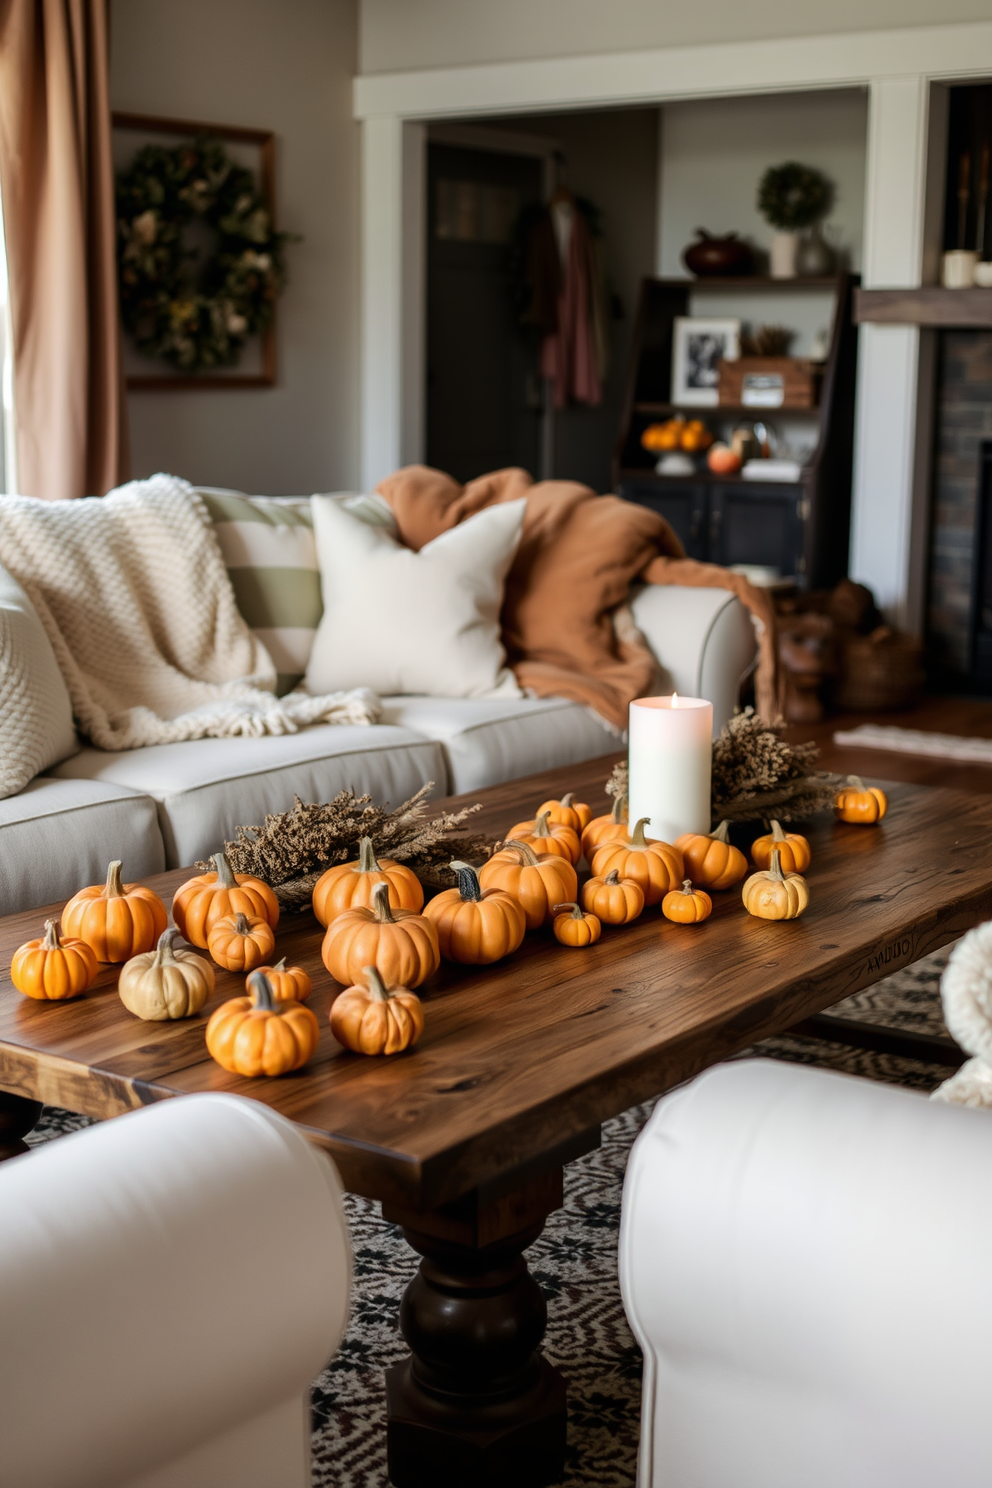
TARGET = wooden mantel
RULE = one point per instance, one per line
(932, 306)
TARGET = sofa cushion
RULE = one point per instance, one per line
(36, 727)
(205, 788)
(56, 836)
(489, 740)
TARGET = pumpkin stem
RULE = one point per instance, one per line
(540, 827)
(777, 834)
(225, 873)
(468, 880)
(260, 991)
(856, 783)
(527, 856)
(575, 908)
(377, 987)
(567, 799)
(637, 837)
(115, 888)
(241, 925)
(366, 857)
(380, 903)
(722, 833)
(163, 951)
(619, 812)
(52, 941)
(775, 871)
(687, 886)
(280, 965)
(613, 877)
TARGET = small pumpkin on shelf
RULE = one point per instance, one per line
(793, 850)
(376, 1019)
(51, 969)
(537, 883)
(165, 984)
(350, 885)
(256, 1035)
(401, 945)
(547, 837)
(208, 897)
(613, 900)
(687, 905)
(654, 866)
(116, 920)
(241, 942)
(576, 927)
(711, 858)
(609, 828)
(288, 983)
(568, 812)
(771, 894)
(476, 926)
(859, 803)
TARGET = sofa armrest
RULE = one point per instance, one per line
(703, 639)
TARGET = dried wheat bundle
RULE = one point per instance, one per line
(757, 774)
(291, 849)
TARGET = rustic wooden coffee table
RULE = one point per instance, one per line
(464, 1139)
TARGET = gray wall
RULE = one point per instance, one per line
(287, 67)
(399, 34)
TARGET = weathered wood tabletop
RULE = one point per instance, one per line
(519, 1058)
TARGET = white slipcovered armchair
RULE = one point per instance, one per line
(170, 1284)
(804, 1259)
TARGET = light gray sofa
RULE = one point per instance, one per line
(172, 804)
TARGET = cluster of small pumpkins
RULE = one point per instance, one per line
(689, 435)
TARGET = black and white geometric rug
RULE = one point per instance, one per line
(575, 1261)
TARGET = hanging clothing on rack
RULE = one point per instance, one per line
(568, 301)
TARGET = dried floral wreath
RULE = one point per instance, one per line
(758, 775)
(194, 314)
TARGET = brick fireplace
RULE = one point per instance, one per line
(958, 535)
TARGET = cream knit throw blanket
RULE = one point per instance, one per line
(966, 992)
(136, 601)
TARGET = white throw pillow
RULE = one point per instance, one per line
(36, 728)
(404, 622)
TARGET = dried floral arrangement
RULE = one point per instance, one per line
(757, 774)
(291, 849)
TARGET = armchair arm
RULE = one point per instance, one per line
(702, 638)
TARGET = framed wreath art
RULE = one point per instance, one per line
(200, 263)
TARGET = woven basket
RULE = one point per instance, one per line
(879, 672)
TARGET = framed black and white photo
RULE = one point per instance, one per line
(697, 349)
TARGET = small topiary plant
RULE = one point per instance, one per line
(793, 196)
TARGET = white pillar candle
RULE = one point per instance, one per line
(671, 755)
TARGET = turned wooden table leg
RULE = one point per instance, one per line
(17, 1117)
(476, 1403)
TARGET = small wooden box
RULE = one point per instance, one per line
(764, 383)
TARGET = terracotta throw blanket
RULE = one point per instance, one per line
(578, 556)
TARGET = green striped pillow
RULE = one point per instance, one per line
(268, 546)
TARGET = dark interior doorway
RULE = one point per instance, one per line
(484, 395)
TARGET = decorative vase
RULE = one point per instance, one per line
(782, 255)
(815, 259)
(711, 257)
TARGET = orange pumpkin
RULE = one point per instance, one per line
(376, 1019)
(288, 983)
(654, 866)
(537, 883)
(546, 837)
(711, 859)
(611, 828)
(860, 803)
(793, 850)
(568, 812)
(614, 900)
(201, 901)
(402, 946)
(771, 894)
(116, 920)
(476, 926)
(687, 906)
(241, 942)
(52, 969)
(350, 885)
(256, 1035)
(576, 927)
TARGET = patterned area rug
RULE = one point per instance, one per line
(575, 1261)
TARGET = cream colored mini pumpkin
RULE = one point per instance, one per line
(165, 983)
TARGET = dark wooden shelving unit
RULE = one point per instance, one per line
(960, 309)
(801, 528)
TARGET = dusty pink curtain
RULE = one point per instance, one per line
(57, 182)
